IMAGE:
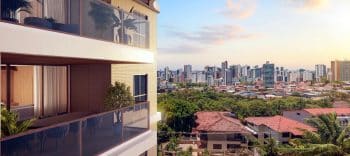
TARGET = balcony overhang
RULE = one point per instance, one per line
(18, 40)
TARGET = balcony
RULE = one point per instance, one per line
(90, 135)
(86, 18)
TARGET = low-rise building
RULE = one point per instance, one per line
(219, 131)
(277, 127)
(343, 114)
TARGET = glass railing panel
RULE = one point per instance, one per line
(101, 133)
(100, 21)
(86, 136)
(89, 18)
(57, 15)
(62, 140)
(135, 120)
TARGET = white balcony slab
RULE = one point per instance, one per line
(134, 146)
(18, 39)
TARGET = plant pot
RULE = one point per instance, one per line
(38, 22)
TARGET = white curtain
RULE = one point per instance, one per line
(50, 90)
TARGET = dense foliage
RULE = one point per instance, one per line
(10, 124)
(118, 96)
(179, 107)
(329, 139)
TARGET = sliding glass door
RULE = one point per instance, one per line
(35, 91)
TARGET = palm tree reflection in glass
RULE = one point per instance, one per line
(107, 18)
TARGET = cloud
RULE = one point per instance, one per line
(308, 5)
(214, 35)
(239, 9)
(183, 48)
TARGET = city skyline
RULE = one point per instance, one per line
(250, 32)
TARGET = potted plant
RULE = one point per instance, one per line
(10, 124)
(118, 96)
(9, 9)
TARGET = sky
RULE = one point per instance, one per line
(290, 33)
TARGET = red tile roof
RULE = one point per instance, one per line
(320, 111)
(218, 122)
(281, 124)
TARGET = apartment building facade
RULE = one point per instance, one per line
(58, 59)
(340, 70)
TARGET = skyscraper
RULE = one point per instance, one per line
(167, 73)
(188, 72)
(224, 65)
(268, 74)
(320, 72)
(340, 70)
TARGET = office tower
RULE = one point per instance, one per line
(268, 70)
(320, 72)
(63, 68)
(340, 70)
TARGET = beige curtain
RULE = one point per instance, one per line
(56, 9)
(50, 90)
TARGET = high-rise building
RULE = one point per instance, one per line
(340, 70)
(268, 70)
(308, 75)
(167, 74)
(59, 71)
(320, 72)
(224, 65)
(188, 72)
(294, 76)
(245, 72)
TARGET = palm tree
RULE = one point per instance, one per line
(10, 7)
(330, 138)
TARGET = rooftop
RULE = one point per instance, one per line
(281, 124)
(218, 122)
(320, 111)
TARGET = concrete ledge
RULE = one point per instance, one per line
(135, 146)
(18, 39)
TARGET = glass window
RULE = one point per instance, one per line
(233, 146)
(285, 134)
(34, 90)
(217, 146)
(140, 88)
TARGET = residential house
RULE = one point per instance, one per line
(343, 114)
(219, 131)
(277, 127)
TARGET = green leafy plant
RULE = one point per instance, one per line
(118, 96)
(330, 138)
(10, 124)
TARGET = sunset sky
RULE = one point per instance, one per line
(290, 33)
